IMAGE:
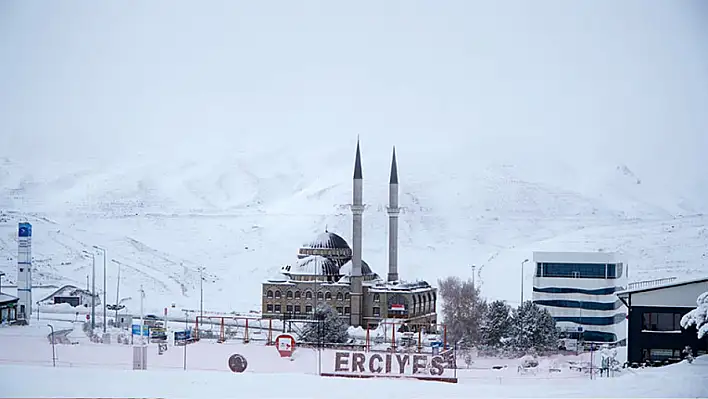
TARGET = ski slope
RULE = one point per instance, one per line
(223, 137)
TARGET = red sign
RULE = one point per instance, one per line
(88, 317)
(397, 306)
(285, 344)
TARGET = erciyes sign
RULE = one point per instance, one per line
(372, 364)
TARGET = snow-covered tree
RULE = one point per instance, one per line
(533, 328)
(496, 324)
(462, 309)
(328, 327)
(698, 317)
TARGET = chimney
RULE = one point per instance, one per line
(393, 211)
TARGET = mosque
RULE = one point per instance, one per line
(329, 271)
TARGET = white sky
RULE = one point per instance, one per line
(600, 80)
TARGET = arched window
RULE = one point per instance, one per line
(340, 296)
(297, 294)
(277, 294)
(289, 295)
(347, 296)
(328, 296)
(308, 295)
(269, 294)
(430, 302)
(320, 295)
(415, 305)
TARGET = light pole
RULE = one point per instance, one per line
(201, 292)
(117, 287)
(186, 328)
(105, 253)
(522, 281)
(93, 290)
(54, 357)
(473, 267)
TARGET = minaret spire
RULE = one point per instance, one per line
(393, 211)
(356, 319)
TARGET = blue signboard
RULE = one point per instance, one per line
(183, 335)
(436, 344)
(136, 330)
(25, 230)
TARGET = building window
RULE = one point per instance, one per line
(289, 295)
(415, 305)
(340, 310)
(277, 308)
(269, 294)
(269, 308)
(576, 270)
(308, 309)
(377, 297)
(277, 294)
(347, 310)
(297, 308)
(347, 296)
(308, 295)
(328, 296)
(289, 308)
(320, 295)
(340, 296)
(21, 270)
(661, 322)
(297, 294)
(377, 311)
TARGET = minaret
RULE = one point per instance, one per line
(393, 211)
(357, 211)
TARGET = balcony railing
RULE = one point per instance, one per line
(650, 283)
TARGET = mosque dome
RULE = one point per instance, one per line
(346, 272)
(328, 245)
(313, 265)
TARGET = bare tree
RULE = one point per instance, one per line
(462, 309)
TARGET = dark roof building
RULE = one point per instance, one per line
(654, 333)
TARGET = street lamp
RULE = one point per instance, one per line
(473, 267)
(201, 292)
(105, 253)
(117, 287)
(522, 281)
(93, 290)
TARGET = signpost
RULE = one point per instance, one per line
(285, 343)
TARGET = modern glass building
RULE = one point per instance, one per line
(578, 289)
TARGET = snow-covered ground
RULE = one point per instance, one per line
(87, 369)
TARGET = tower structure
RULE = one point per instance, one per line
(357, 213)
(393, 211)
(24, 271)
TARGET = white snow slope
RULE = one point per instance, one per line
(223, 135)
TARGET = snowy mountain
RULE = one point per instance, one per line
(224, 137)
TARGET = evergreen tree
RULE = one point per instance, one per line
(328, 327)
(462, 309)
(533, 328)
(496, 324)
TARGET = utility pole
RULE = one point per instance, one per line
(54, 356)
(117, 287)
(93, 290)
(186, 328)
(105, 253)
(201, 292)
(473, 284)
(522, 281)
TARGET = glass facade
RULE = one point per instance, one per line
(579, 270)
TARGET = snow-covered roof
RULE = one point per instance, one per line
(313, 265)
(653, 287)
(72, 288)
(6, 298)
(346, 269)
(327, 240)
(398, 286)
